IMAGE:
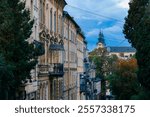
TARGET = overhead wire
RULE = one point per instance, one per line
(90, 12)
(103, 16)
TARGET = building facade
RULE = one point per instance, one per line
(80, 60)
(47, 34)
(122, 52)
(73, 43)
(70, 66)
(60, 41)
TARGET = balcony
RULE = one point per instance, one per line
(51, 70)
(43, 70)
(56, 47)
(56, 70)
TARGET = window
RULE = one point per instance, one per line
(41, 10)
(51, 1)
(80, 46)
(66, 56)
(55, 22)
(70, 34)
(73, 36)
(60, 88)
(55, 57)
(35, 32)
(55, 89)
(59, 25)
(62, 26)
(121, 54)
(41, 92)
(51, 19)
(31, 8)
(64, 31)
(73, 57)
(35, 3)
(67, 32)
(47, 14)
(42, 15)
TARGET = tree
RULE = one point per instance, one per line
(6, 77)
(99, 58)
(136, 30)
(17, 54)
(103, 64)
(123, 81)
(101, 38)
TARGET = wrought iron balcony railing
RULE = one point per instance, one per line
(43, 70)
(51, 70)
(56, 70)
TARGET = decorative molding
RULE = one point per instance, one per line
(42, 34)
(54, 41)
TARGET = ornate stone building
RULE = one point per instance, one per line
(51, 64)
(74, 43)
(47, 35)
(70, 43)
(81, 45)
(59, 39)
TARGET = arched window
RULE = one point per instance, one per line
(55, 22)
(59, 24)
(51, 19)
(42, 11)
(31, 8)
(35, 3)
(35, 37)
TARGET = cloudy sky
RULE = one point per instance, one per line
(96, 15)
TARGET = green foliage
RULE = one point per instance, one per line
(103, 64)
(18, 54)
(98, 56)
(136, 30)
(143, 94)
(123, 81)
(6, 78)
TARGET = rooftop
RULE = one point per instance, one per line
(65, 13)
(121, 49)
